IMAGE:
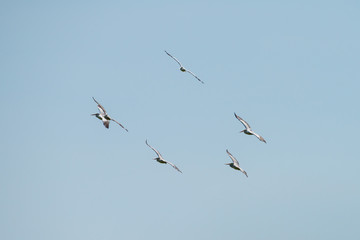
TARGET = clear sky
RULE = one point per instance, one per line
(290, 68)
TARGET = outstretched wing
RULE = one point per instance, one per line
(232, 158)
(174, 58)
(173, 165)
(156, 151)
(194, 76)
(259, 137)
(101, 108)
(247, 126)
(243, 171)
(119, 124)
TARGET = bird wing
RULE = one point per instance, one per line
(156, 151)
(106, 123)
(119, 124)
(173, 165)
(247, 126)
(194, 76)
(101, 108)
(243, 171)
(174, 58)
(232, 158)
(259, 137)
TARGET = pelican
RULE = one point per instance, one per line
(104, 117)
(235, 163)
(160, 159)
(182, 68)
(248, 130)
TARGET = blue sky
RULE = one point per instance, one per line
(291, 69)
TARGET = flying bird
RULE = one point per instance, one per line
(182, 68)
(160, 159)
(235, 164)
(104, 117)
(248, 130)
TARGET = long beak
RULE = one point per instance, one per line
(241, 131)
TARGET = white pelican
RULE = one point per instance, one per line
(248, 130)
(235, 163)
(182, 68)
(104, 117)
(160, 159)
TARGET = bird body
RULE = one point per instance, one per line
(104, 117)
(248, 129)
(160, 158)
(232, 165)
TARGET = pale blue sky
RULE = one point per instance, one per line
(290, 68)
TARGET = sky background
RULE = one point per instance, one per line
(289, 68)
